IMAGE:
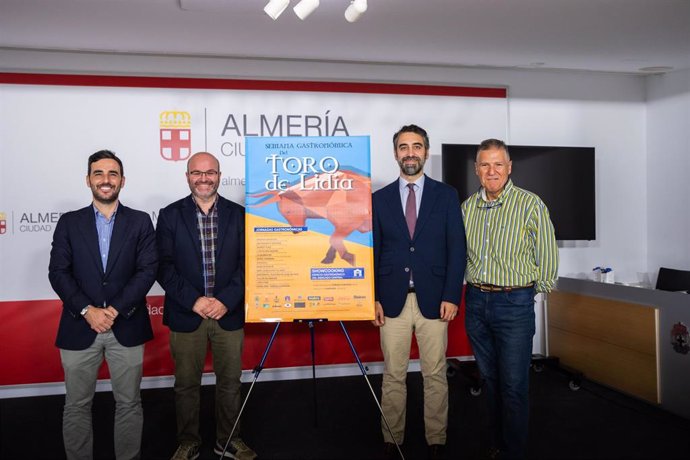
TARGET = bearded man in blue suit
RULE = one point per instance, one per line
(419, 259)
(102, 265)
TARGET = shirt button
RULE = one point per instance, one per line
(412, 249)
(407, 269)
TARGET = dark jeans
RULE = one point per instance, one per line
(500, 326)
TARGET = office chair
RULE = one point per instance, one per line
(670, 279)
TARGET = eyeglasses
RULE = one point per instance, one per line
(211, 173)
(481, 204)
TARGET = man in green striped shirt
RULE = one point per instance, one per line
(511, 255)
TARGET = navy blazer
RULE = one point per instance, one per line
(180, 272)
(77, 276)
(436, 254)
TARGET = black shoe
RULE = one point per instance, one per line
(492, 453)
(437, 452)
(390, 452)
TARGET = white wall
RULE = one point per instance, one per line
(607, 111)
(668, 164)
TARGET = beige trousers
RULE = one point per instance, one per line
(396, 340)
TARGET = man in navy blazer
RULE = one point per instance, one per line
(201, 248)
(419, 259)
(102, 264)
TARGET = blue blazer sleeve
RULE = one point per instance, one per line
(230, 289)
(141, 256)
(456, 244)
(62, 265)
(174, 250)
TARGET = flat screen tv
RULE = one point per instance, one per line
(563, 177)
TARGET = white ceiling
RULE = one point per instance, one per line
(594, 35)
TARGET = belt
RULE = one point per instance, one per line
(493, 288)
(411, 290)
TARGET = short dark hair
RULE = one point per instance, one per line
(102, 155)
(411, 129)
(488, 144)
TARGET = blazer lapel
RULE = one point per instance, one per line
(87, 227)
(395, 204)
(189, 218)
(119, 236)
(428, 199)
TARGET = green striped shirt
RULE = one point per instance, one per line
(510, 241)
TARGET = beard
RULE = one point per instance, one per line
(411, 169)
(107, 200)
(103, 198)
(208, 191)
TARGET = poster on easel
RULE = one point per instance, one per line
(309, 244)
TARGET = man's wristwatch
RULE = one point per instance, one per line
(84, 310)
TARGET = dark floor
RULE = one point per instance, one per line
(592, 423)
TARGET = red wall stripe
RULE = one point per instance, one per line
(29, 354)
(257, 85)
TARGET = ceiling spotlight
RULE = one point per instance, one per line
(275, 8)
(306, 7)
(355, 10)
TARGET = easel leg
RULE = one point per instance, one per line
(364, 374)
(313, 373)
(257, 370)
